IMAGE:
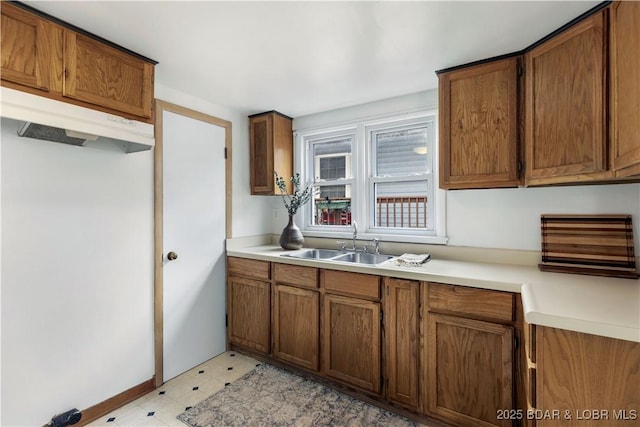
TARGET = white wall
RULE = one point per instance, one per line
(77, 275)
(497, 218)
(510, 218)
(251, 214)
(77, 258)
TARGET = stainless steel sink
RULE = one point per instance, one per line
(316, 254)
(363, 258)
(340, 256)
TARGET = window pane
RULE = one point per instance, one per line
(333, 205)
(401, 204)
(333, 167)
(402, 152)
(331, 159)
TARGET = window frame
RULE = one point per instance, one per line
(362, 181)
(372, 179)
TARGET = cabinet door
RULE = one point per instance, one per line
(479, 126)
(625, 87)
(401, 340)
(249, 313)
(351, 341)
(470, 370)
(582, 374)
(105, 76)
(565, 136)
(271, 149)
(261, 154)
(296, 329)
(26, 48)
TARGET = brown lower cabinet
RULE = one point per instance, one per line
(469, 355)
(401, 337)
(351, 339)
(351, 329)
(578, 379)
(249, 304)
(430, 350)
(296, 321)
(249, 318)
(470, 370)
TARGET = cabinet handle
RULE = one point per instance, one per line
(172, 255)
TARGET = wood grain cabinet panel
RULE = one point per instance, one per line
(351, 341)
(351, 284)
(249, 313)
(479, 126)
(585, 374)
(296, 329)
(271, 150)
(102, 75)
(26, 48)
(252, 268)
(401, 333)
(300, 276)
(624, 45)
(470, 370)
(483, 304)
(565, 106)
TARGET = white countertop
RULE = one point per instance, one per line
(603, 306)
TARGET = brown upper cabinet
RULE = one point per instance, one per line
(27, 44)
(46, 58)
(624, 45)
(565, 106)
(479, 125)
(576, 109)
(102, 75)
(271, 150)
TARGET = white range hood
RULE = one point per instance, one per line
(57, 121)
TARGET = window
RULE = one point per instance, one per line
(332, 173)
(379, 174)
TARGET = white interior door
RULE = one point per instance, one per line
(193, 290)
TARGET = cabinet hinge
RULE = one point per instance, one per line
(225, 153)
(381, 382)
(381, 315)
(520, 70)
(519, 165)
(516, 343)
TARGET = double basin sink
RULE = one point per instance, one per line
(341, 256)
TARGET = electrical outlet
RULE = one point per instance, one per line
(276, 214)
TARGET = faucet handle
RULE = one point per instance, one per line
(343, 245)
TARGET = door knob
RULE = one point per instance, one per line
(172, 255)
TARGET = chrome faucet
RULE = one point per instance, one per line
(354, 225)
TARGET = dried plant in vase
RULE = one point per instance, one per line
(291, 237)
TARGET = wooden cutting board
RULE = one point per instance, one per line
(600, 245)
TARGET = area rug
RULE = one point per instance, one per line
(270, 396)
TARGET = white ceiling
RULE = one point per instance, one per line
(306, 57)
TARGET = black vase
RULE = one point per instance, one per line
(291, 237)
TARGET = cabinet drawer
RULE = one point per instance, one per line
(296, 275)
(248, 268)
(473, 302)
(352, 284)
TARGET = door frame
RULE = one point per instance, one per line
(158, 322)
